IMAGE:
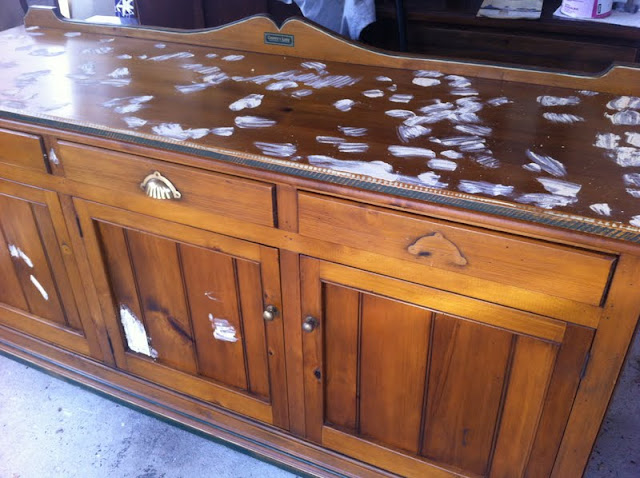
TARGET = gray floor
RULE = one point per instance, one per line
(50, 428)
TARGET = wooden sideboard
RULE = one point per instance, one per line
(346, 261)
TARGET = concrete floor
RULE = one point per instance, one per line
(52, 429)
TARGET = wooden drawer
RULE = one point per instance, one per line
(21, 149)
(461, 252)
(233, 197)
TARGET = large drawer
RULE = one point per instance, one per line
(163, 186)
(425, 245)
(21, 149)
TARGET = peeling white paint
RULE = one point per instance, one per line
(88, 68)
(134, 122)
(128, 108)
(401, 98)
(160, 45)
(352, 131)
(334, 81)
(601, 208)
(191, 88)
(53, 157)
(38, 286)
(442, 164)
(562, 188)
(635, 221)
(103, 50)
(484, 187)
(546, 201)
(464, 92)
(558, 100)
(462, 141)
(280, 150)
(216, 78)
(547, 163)
(474, 129)
(329, 139)
(437, 106)
(457, 81)
(411, 152)
(562, 118)
(427, 74)
(175, 131)
(425, 82)
(124, 57)
(607, 140)
(625, 117)
(501, 100)
(233, 57)
(624, 102)
(406, 133)
(432, 179)
(250, 101)
(253, 122)
(301, 93)
(376, 169)
(532, 167)
(384, 78)
(223, 131)
(634, 192)
(451, 154)
(632, 179)
(72, 34)
(400, 113)
(626, 156)
(222, 329)
(373, 93)
(117, 82)
(353, 147)
(119, 72)
(50, 51)
(211, 55)
(18, 253)
(344, 104)
(588, 93)
(135, 334)
(633, 139)
(281, 85)
(172, 56)
(313, 65)
(487, 161)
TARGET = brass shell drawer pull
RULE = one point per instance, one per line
(156, 186)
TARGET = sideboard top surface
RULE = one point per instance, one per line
(562, 153)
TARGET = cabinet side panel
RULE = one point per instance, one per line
(468, 370)
(341, 356)
(210, 281)
(157, 273)
(395, 342)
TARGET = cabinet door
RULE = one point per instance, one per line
(184, 309)
(422, 382)
(37, 269)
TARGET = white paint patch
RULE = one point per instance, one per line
(588, 93)
(464, 92)
(233, 57)
(483, 187)
(532, 167)
(107, 40)
(223, 131)
(558, 100)
(128, 108)
(562, 118)
(626, 156)
(160, 45)
(373, 93)
(546, 201)
(425, 81)
(134, 122)
(457, 81)
(103, 50)
(400, 113)
(353, 147)
(53, 157)
(607, 140)
(334, 81)
(211, 55)
(142, 57)
(406, 133)
(352, 131)
(632, 179)
(344, 104)
(501, 100)
(376, 169)
(601, 208)
(437, 106)
(313, 65)
(625, 117)
(329, 139)
(634, 192)
(175, 131)
(17, 253)
(624, 102)
(207, 70)
(384, 78)
(442, 164)
(301, 93)
(72, 34)
(463, 141)
(474, 129)
(281, 85)
(280, 150)
(117, 82)
(119, 72)
(401, 98)
(411, 152)
(431, 118)
(547, 164)
(124, 57)
(392, 88)
(633, 138)
(487, 161)
(222, 329)
(172, 56)
(134, 332)
(51, 51)
(216, 78)
(250, 101)
(38, 286)
(427, 74)
(432, 180)
(253, 122)
(562, 188)
(88, 68)
(635, 221)
(451, 154)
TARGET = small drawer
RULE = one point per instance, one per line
(22, 149)
(163, 187)
(432, 245)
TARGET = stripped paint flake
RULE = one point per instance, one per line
(175, 131)
(89, 68)
(118, 72)
(474, 129)
(632, 179)
(558, 100)
(353, 147)
(451, 154)
(223, 131)
(425, 82)
(373, 93)
(17, 253)
(484, 187)
(626, 156)
(192, 88)
(411, 152)
(501, 100)
(135, 333)
(427, 74)
(103, 50)
(546, 201)
(222, 329)
(253, 122)
(462, 141)
(344, 104)
(117, 82)
(233, 57)
(280, 150)
(329, 139)
(562, 118)
(625, 117)
(624, 102)
(124, 57)
(456, 81)
(401, 98)
(547, 164)
(562, 188)
(385, 79)
(635, 221)
(588, 93)
(607, 140)
(250, 101)
(53, 157)
(172, 56)
(281, 85)
(601, 208)
(400, 113)
(38, 286)
(633, 138)
(442, 164)
(313, 65)
(634, 192)
(464, 92)
(487, 161)
(352, 131)
(432, 180)
(437, 106)
(134, 122)
(301, 93)
(50, 51)
(407, 133)
(160, 46)
(376, 169)
(72, 34)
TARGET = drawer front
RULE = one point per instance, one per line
(21, 149)
(163, 186)
(531, 265)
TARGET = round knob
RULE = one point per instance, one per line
(309, 324)
(270, 313)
